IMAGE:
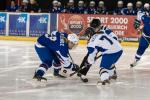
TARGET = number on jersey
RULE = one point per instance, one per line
(106, 38)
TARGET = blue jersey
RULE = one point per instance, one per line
(118, 11)
(91, 11)
(145, 12)
(61, 9)
(101, 10)
(126, 11)
(12, 9)
(55, 42)
(145, 18)
(56, 10)
(80, 10)
(70, 10)
(146, 22)
(138, 9)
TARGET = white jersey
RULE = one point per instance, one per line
(102, 43)
(140, 14)
(108, 31)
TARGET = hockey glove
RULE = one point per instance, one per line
(136, 24)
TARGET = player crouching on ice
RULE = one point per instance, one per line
(53, 49)
(104, 41)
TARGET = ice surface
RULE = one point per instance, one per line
(18, 62)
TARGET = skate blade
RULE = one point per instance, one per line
(103, 82)
(60, 76)
(131, 65)
(113, 78)
(36, 83)
(134, 64)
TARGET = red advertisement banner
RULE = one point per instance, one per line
(122, 26)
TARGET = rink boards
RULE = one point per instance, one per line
(33, 39)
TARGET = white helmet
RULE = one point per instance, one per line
(146, 5)
(73, 38)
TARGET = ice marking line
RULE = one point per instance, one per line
(27, 91)
(18, 64)
(15, 68)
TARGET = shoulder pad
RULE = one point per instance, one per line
(103, 28)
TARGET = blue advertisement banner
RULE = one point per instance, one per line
(3, 17)
(17, 24)
(38, 25)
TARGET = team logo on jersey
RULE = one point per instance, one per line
(76, 23)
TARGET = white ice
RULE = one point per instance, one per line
(18, 61)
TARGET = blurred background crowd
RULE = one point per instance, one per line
(116, 7)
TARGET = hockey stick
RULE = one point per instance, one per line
(81, 78)
(82, 68)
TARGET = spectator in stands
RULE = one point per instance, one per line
(70, 7)
(60, 7)
(138, 6)
(146, 8)
(55, 7)
(119, 8)
(24, 5)
(91, 9)
(33, 7)
(129, 10)
(80, 9)
(101, 9)
(13, 7)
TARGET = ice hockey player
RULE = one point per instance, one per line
(144, 17)
(105, 41)
(90, 32)
(53, 49)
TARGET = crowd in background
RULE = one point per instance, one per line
(81, 8)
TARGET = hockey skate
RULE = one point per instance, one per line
(134, 63)
(39, 78)
(59, 75)
(56, 74)
(104, 82)
(39, 81)
(104, 77)
(114, 76)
